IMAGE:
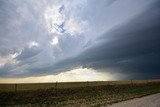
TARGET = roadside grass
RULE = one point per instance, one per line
(79, 96)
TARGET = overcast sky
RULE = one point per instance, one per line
(79, 39)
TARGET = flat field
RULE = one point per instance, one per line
(84, 94)
(61, 85)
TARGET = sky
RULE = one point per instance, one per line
(79, 40)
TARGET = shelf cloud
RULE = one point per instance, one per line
(49, 38)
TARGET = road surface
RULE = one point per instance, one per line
(147, 101)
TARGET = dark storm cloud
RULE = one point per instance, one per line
(133, 48)
(130, 44)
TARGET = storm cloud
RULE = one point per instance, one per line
(50, 37)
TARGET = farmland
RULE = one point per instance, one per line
(76, 93)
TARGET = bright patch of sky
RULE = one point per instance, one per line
(75, 75)
(8, 59)
(55, 41)
(61, 19)
(33, 43)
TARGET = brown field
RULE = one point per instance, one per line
(60, 85)
(84, 94)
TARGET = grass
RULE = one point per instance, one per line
(61, 85)
(79, 96)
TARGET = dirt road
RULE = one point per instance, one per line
(147, 101)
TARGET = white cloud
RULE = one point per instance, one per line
(33, 43)
(8, 59)
(53, 19)
(74, 26)
(78, 74)
(55, 41)
(62, 18)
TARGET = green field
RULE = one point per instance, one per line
(75, 93)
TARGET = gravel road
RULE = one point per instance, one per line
(147, 101)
